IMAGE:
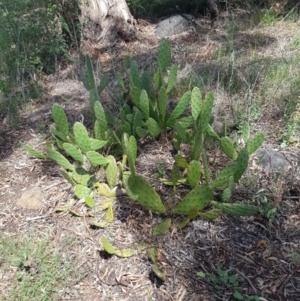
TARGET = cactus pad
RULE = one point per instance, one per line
(162, 228)
(147, 196)
(60, 119)
(198, 198)
(236, 209)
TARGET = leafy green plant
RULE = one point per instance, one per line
(222, 281)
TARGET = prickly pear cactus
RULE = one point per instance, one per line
(33, 152)
(162, 228)
(172, 78)
(73, 151)
(147, 196)
(164, 55)
(96, 159)
(236, 209)
(255, 143)
(60, 119)
(196, 102)
(179, 109)
(228, 148)
(162, 105)
(211, 214)
(144, 104)
(111, 171)
(81, 136)
(241, 164)
(194, 173)
(59, 159)
(153, 127)
(223, 177)
(197, 198)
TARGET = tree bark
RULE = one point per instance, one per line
(106, 20)
(213, 8)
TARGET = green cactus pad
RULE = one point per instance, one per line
(226, 195)
(223, 177)
(89, 73)
(111, 171)
(144, 104)
(242, 164)
(147, 196)
(211, 214)
(157, 81)
(152, 254)
(107, 246)
(194, 173)
(164, 55)
(134, 74)
(125, 253)
(100, 116)
(96, 144)
(175, 174)
(236, 209)
(33, 152)
(58, 135)
(186, 122)
(153, 127)
(82, 191)
(81, 136)
(206, 111)
(135, 94)
(181, 161)
(228, 148)
(96, 159)
(161, 275)
(67, 176)
(162, 228)
(93, 97)
(196, 102)
(103, 83)
(172, 78)
(181, 132)
(211, 132)
(89, 201)
(81, 176)
(132, 153)
(73, 152)
(198, 198)
(105, 190)
(179, 109)
(162, 105)
(59, 158)
(183, 223)
(142, 133)
(245, 130)
(255, 143)
(60, 119)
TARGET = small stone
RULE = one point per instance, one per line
(271, 160)
(31, 199)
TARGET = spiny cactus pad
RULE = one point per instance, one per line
(198, 198)
(196, 102)
(236, 209)
(241, 164)
(96, 144)
(179, 109)
(111, 171)
(172, 78)
(194, 173)
(162, 228)
(33, 152)
(82, 191)
(223, 177)
(164, 55)
(58, 135)
(107, 246)
(60, 119)
(81, 136)
(162, 105)
(59, 159)
(147, 196)
(153, 127)
(211, 214)
(144, 104)
(228, 148)
(96, 159)
(255, 143)
(73, 151)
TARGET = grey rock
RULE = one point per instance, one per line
(174, 25)
(272, 160)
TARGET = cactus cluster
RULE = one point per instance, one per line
(80, 153)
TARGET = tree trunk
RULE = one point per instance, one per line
(106, 20)
(213, 8)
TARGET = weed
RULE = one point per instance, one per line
(39, 272)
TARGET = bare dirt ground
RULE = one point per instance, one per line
(265, 259)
